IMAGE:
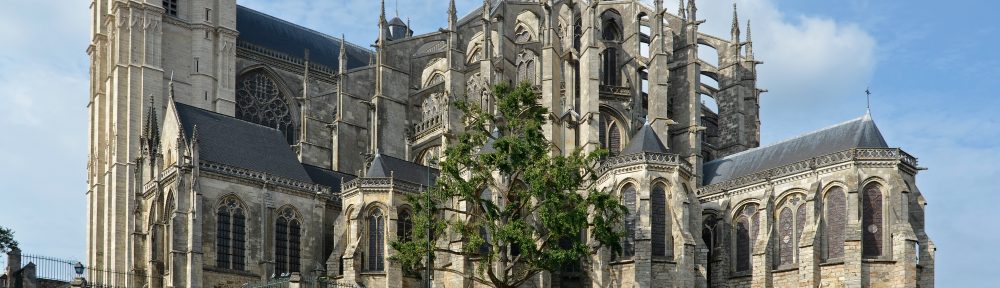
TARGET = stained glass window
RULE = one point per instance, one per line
(785, 241)
(602, 134)
(871, 221)
(658, 200)
(259, 100)
(230, 234)
(376, 240)
(526, 67)
(746, 235)
(286, 242)
(836, 223)
(629, 200)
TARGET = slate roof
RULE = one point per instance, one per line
(327, 177)
(384, 166)
(644, 141)
(857, 133)
(288, 38)
(227, 140)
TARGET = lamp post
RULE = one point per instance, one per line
(79, 281)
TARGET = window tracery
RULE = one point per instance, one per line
(790, 225)
(287, 237)
(376, 240)
(658, 201)
(259, 100)
(230, 235)
(526, 67)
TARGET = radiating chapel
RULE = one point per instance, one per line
(229, 146)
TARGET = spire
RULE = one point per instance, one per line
(735, 30)
(150, 131)
(343, 55)
(452, 15)
(749, 41)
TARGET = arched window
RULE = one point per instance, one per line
(376, 240)
(577, 32)
(522, 35)
(791, 220)
(230, 245)
(169, 209)
(871, 221)
(658, 201)
(614, 138)
(609, 67)
(287, 237)
(526, 67)
(836, 223)
(171, 7)
(746, 227)
(258, 100)
(628, 198)
(404, 226)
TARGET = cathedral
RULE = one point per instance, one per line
(228, 146)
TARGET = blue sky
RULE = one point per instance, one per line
(931, 65)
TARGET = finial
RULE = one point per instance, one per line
(692, 10)
(194, 134)
(452, 15)
(343, 54)
(735, 31)
(397, 8)
(381, 15)
(170, 85)
(749, 41)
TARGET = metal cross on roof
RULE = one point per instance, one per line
(868, 93)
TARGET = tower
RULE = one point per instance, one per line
(134, 48)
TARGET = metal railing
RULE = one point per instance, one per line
(49, 268)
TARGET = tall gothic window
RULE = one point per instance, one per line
(609, 67)
(836, 223)
(628, 197)
(404, 226)
(376, 240)
(746, 227)
(611, 31)
(790, 225)
(259, 100)
(658, 200)
(168, 216)
(230, 235)
(171, 7)
(577, 33)
(871, 221)
(288, 232)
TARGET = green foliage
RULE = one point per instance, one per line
(541, 207)
(7, 241)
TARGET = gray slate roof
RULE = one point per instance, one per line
(327, 177)
(386, 166)
(644, 141)
(857, 133)
(227, 140)
(282, 36)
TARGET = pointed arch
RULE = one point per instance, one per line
(287, 240)
(872, 220)
(660, 211)
(835, 223)
(746, 223)
(376, 239)
(790, 219)
(231, 231)
(628, 192)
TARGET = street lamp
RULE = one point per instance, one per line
(79, 268)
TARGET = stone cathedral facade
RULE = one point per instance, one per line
(228, 146)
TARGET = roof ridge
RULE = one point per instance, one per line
(306, 28)
(800, 136)
(224, 115)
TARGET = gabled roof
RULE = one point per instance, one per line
(857, 133)
(285, 37)
(388, 166)
(644, 141)
(227, 140)
(327, 177)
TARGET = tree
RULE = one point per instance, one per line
(517, 206)
(7, 241)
